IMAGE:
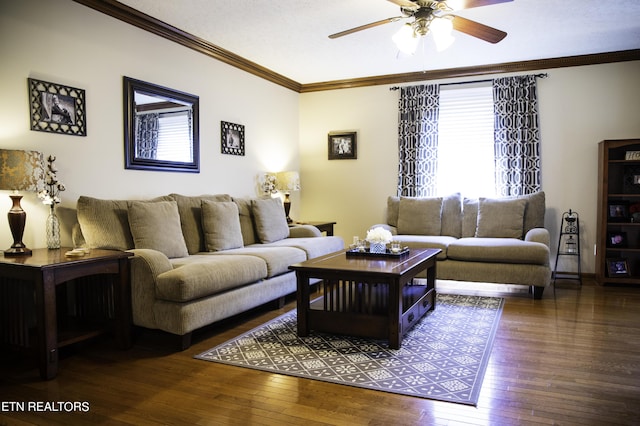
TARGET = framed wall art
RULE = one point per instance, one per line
(232, 139)
(57, 108)
(343, 146)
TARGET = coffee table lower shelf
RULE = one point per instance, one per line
(362, 309)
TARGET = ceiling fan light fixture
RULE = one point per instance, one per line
(442, 29)
(405, 40)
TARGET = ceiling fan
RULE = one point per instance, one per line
(425, 12)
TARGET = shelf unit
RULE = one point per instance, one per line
(569, 245)
(618, 222)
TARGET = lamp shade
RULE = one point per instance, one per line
(288, 181)
(21, 170)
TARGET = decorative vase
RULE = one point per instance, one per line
(53, 229)
(377, 247)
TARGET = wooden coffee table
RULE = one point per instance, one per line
(366, 296)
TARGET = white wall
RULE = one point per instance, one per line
(70, 44)
(579, 107)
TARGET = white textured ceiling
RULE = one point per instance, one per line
(291, 37)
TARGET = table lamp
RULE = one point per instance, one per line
(287, 182)
(19, 171)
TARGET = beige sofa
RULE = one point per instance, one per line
(200, 259)
(482, 240)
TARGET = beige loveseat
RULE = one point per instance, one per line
(499, 240)
(200, 259)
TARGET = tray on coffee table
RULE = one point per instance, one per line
(388, 254)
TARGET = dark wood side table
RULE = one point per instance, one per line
(322, 226)
(28, 284)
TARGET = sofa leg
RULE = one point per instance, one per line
(280, 302)
(185, 341)
(537, 292)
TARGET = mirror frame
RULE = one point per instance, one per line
(131, 86)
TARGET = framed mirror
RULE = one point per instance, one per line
(161, 128)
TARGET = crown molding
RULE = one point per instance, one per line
(508, 67)
(141, 20)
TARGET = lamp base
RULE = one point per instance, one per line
(17, 251)
(287, 207)
(17, 219)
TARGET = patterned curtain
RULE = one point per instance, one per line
(147, 135)
(517, 137)
(418, 140)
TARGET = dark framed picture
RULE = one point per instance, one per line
(618, 211)
(343, 146)
(617, 239)
(618, 267)
(232, 139)
(56, 108)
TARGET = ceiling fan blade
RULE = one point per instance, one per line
(468, 4)
(478, 30)
(365, 27)
(405, 3)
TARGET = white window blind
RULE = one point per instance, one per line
(465, 140)
(174, 137)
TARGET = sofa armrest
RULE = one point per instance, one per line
(538, 235)
(304, 231)
(146, 265)
(392, 229)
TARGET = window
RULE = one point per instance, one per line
(466, 140)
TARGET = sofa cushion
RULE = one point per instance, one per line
(312, 246)
(469, 217)
(420, 216)
(105, 224)
(270, 219)
(498, 250)
(500, 218)
(535, 210)
(246, 220)
(156, 226)
(277, 259)
(221, 225)
(393, 203)
(533, 214)
(190, 208)
(441, 242)
(203, 275)
(451, 216)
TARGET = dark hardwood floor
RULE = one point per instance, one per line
(568, 359)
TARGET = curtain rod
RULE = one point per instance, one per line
(541, 75)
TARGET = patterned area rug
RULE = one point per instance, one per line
(443, 357)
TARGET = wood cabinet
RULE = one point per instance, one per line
(618, 231)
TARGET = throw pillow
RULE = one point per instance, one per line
(271, 222)
(419, 216)
(500, 218)
(104, 223)
(190, 211)
(221, 225)
(157, 226)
